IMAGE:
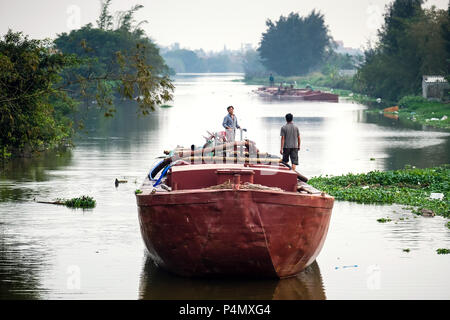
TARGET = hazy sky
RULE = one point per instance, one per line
(207, 24)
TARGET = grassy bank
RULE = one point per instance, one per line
(430, 113)
(410, 186)
(341, 84)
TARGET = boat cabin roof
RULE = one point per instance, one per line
(186, 176)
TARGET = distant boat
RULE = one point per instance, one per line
(227, 209)
(306, 94)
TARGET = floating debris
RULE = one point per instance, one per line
(117, 182)
(438, 196)
(346, 267)
(83, 202)
(427, 213)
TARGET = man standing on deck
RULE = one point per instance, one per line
(271, 79)
(290, 141)
(230, 124)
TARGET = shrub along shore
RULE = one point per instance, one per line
(421, 190)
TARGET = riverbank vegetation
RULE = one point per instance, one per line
(410, 186)
(33, 107)
(45, 84)
(413, 41)
(425, 112)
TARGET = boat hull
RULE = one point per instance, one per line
(234, 232)
(299, 95)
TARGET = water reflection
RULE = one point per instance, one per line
(20, 267)
(19, 175)
(157, 284)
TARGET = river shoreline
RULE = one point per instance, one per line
(413, 109)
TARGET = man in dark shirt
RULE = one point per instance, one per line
(290, 141)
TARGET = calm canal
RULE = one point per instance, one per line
(52, 252)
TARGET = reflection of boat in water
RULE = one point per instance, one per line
(157, 284)
(306, 94)
(224, 210)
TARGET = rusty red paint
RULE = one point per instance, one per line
(201, 232)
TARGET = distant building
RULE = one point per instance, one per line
(340, 48)
(54, 51)
(347, 72)
(175, 46)
(246, 47)
(434, 87)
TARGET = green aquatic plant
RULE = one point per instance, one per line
(410, 186)
(443, 251)
(84, 202)
(166, 106)
(384, 220)
(448, 224)
(406, 250)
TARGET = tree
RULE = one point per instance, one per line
(445, 31)
(121, 60)
(105, 21)
(411, 44)
(29, 71)
(294, 45)
(396, 19)
(183, 60)
(41, 82)
(253, 66)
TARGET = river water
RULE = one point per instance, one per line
(52, 252)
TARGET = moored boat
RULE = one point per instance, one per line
(230, 210)
(306, 94)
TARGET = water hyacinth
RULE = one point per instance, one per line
(84, 202)
(409, 186)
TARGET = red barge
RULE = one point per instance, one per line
(296, 94)
(229, 210)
